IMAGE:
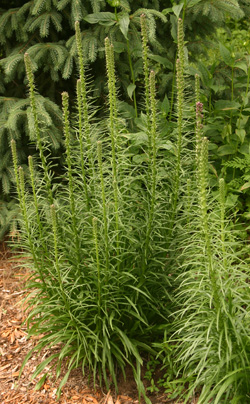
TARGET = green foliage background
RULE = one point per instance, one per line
(45, 29)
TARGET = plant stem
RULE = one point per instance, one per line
(27, 226)
(37, 129)
(203, 174)
(56, 254)
(34, 192)
(80, 127)
(144, 37)
(85, 108)
(94, 221)
(65, 104)
(104, 206)
(113, 135)
(153, 169)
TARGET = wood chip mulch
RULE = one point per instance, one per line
(14, 346)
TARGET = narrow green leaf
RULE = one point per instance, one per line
(42, 365)
(63, 382)
(41, 382)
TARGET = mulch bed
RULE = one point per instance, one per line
(14, 346)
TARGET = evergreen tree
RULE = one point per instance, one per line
(45, 29)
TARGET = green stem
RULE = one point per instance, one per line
(27, 227)
(203, 174)
(84, 100)
(65, 103)
(94, 221)
(34, 192)
(37, 129)
(144, 37)
(153, 169)
(113, 135)
(104, 205)
(173, 90)
(15, 164)
(56, 255)
(80, 128)
(180, 105)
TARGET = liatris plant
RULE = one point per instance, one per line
(96, 235)
(211, 340)
(126, 233)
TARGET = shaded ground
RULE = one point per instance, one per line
(14, 346)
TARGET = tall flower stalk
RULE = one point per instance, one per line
(65, 105)
(104, 203)
(203, 184)
(109, 52)
(38, 135)
(153, 136)
(81, 142)
(180, 108)
(144, 37)
(83, 102)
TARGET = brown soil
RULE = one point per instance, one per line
(14, 346)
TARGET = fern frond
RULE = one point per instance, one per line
(237, 162)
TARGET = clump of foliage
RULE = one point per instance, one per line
(208, 342)
(45, 29)
(129, 244)
(97, 240)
